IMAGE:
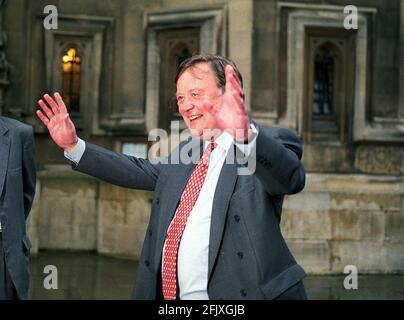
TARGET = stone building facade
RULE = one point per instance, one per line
(340, 89)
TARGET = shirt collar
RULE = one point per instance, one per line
(223, 141)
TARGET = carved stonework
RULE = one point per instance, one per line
(86, 35)
(321, 17)
(379, 160)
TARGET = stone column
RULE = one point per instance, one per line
(240, 40)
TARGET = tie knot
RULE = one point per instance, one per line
(206, 155)
(211, 146)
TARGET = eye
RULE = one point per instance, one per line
(180, 99)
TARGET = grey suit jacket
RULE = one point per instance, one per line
(248, 257)
(17, 190)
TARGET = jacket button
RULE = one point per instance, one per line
(147, 263)
(243, 292)
(240, 255)
(157, 200)
(150, 232)
(237, 218)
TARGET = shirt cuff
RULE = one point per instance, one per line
(77, 152)
(246, 148)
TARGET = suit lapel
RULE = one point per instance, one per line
(224, 190)
(221, 200)
(4, 153)
(177, 180)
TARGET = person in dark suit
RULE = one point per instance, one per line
(214, 230)
(17, 190)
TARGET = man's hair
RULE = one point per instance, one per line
(217, 63)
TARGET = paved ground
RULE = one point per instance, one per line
(88, 276)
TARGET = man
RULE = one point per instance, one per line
(213, 233)
(17, 189)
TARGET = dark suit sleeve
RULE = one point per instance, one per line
(28, 170)
(118, 168)
(278, 166)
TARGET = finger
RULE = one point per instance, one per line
(227, 73)
(45, 108)
(237, 91)
(237, 96)
(52, 103)
(232, 81)
(60, 102)
(43, 118)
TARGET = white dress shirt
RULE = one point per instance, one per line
(193, 252)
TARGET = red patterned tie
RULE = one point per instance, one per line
(177, 226)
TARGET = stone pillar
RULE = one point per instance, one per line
(240, 40)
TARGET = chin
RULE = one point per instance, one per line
(197, 132)
(201, 132)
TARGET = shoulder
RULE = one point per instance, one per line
(277, 132)
(17, 130)
(15, 125)
(271, 136)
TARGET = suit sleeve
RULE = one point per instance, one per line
(278, 164)
(117, 168)
(29, 171)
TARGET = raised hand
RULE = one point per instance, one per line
(231, 114)
(58, 122)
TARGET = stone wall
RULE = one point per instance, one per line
(344, 220)
(337, 220)
(256, 33)
(73, 211)
(123, 216)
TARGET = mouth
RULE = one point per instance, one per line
(194, 117)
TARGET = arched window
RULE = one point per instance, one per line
(179, 53)
(176, 45)
(71, 80)
(326, 88)
(324, 74)
(182, 54)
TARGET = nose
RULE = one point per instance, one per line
(186, 106)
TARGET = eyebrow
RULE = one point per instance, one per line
(193, 89)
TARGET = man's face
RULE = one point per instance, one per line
(196, 87)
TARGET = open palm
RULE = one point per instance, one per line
(231, 114)
(57, 120)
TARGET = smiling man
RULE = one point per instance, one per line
(213, 234)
